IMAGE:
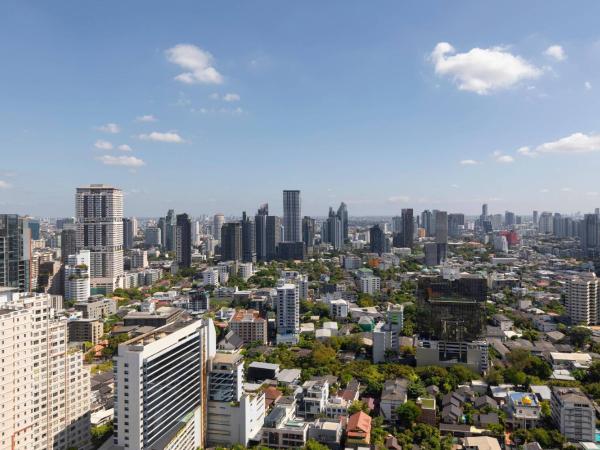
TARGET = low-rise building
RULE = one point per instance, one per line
(523, 409)
(248, 325)
(282, 430)
(97, 307)
(85, 330)
(393, 395)
(358, 431)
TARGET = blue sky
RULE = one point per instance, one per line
(217, 106)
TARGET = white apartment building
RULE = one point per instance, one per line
(369, 284)
(160, 379)
(44, 388)
(288, 311)
(210, 277)
(77, 276)
(234, 416)
(138, 258)
(316, 395)
(574, 415)
(246, 270)
(338, 309)
(581, 299)
(99, 222)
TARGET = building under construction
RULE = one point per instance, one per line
(451, 321)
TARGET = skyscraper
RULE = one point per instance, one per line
(169, 236)
(582, 299)
(456, 223)
(535, 218)
(441, 227)
(342, 213)
(15, 252)
(183, 240)
(231, 241)
(308, 231)
(248, 239)
(408, 228)
(260, 229)
(127, 233)
(590, 234)
(46, 391)
(99, 213)
(292, 216)
(68, 242)
(218, 221)
(273, 236)
(333, 231)
(161, 387)
(377, 239)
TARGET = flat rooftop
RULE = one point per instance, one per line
(161, 332)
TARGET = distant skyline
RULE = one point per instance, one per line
(209, 107)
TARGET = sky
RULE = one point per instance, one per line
(217, 106)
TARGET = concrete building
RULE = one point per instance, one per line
(338, 309)
(159, 318)
(218, 221)
(369, 284)
(288, 313)
(85, 330)
(393, 395)
(386, 335)
(153, 237)
(249, 326)
(574, 414)
(282, 429)
(77, 276)
(15, 252)
(581, 299)
(292, 216)
(523, 409)
(99, 215)
(315, 396)
(45, 388)
(226, 377)
(97, 307)
(138, 258)
(160, 378)
(474, 355)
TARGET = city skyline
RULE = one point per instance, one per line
(501, 111)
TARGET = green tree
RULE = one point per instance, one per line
(580, 336)
(101, 433)
(408, 413)
(357, 406)
(311, 444)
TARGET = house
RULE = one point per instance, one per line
(452, 414)
(483, 420)
(393, 395)
(481, 443)
(523, 410)
(316, 394)
(358, 430)
(453, 398)
(272, 395)
(500, 320)
(327, 432)
(485, 401)
(428, 411)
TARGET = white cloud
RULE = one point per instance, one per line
(196, 62)
(526, 151)
(544, 191)
(124, 148)
(575, 143)
(231, 97)
(146, 118)
(125, 161)
(103, 145)
(566, 189)
(556, 52)
(482, 70)
(501, 158)
(587, 85)
(468, 162)
(111, 128)
(169, 137)
(398, 199)
(5, 185)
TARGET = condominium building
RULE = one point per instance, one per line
(138, 258)
(160, 387)
(369, 284)
(226, 377)
(249, 326)
(97, 307)
(45, 388)
(77, 276)
(292, 217)
(15, 252)
(288, 312)
(99, 212)
(574, 414)
(85, 330)
(282, 429)
(581, 299)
